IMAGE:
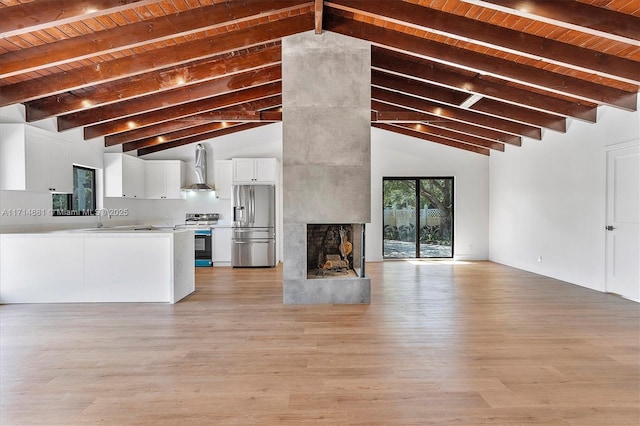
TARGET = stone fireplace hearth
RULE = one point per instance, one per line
(326, 158)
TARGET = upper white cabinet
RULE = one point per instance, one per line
(33, 159)
(223, 172)
(255, 170)
(123, 176)
(164, 179)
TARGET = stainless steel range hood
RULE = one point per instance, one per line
(201, 172)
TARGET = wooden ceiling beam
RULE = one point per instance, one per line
(171, 56)
(318, 9)
(432, 72)
(456, 114)
(37, 15)
(496, 37)
(187, 133)
(463, 58)
(198, 138)
(140, 33)
(168, 127)
(195, 130)
(572, 15)
(387, 113)
(491, 107)
(153, 82)
(178, 135)
(439, 133)
(430, 138)
(417, 88)
(181, 95)
(171, 113)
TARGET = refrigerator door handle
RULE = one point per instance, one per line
(253, 204)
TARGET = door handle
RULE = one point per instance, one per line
(609, 228)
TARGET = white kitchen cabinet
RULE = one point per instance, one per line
(222, 246)
(164, 179)
(33, 159)
(105, 266)
(61, 167)
(255, 170)
(223, 178)
(123, 176)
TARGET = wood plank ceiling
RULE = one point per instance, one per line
(471, 74)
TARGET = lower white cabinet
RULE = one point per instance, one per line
(134, 266)
(164, 179)
(222, 246)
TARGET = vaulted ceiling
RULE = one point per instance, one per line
(472, 74)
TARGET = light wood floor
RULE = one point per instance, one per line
(461, 344)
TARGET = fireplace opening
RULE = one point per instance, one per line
(335, 250)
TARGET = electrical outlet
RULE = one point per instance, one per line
(470, 248)
(539, 258)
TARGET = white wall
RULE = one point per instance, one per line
(548, 199)
(394, 155)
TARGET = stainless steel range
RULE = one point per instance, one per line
(201, 224)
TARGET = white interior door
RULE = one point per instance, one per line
(623, 217)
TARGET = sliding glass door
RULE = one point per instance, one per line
(417, 217)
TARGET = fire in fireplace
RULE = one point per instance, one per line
(333, 252)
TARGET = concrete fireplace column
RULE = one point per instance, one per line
(326, 95)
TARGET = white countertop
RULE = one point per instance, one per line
(129, 230)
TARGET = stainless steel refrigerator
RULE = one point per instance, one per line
(253, 242)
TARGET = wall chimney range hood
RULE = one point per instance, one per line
(201, 172)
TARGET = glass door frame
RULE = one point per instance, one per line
(418, 206)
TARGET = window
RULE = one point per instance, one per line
(417, 217)
(83, 200)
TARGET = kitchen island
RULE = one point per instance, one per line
(121, 264)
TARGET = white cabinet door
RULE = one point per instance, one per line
(224, 178)
(174, 180)
(61, 170)
(266, 170)
(38, 164)
(123, 176)
(155, 179)
(243, 170)
(255, 170)
(48, 164)
(164, 179)
(132, 177)
(222, 246)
